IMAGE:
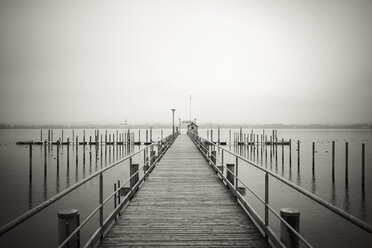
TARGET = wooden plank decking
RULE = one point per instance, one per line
(183, 203)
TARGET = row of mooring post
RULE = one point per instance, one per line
(256, 150)
(120, 138)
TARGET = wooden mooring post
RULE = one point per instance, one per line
(346, 161)
(230, 173)
(30, 153)
(333, 161)
(313, 158)
(68, 221)
(292, 217)
(363, 165)
(133, 168)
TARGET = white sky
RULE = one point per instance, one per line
(264, 61)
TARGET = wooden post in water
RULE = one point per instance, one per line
(346, 161)
(58, 144)
(134, 178)
(68, 221)
(68, 152)
(73, 135)
(41, 135)
(292, 217)
(230, 173)
(333, 161)
(218, 130)
(298, 153)
(150, 134)
(363, 164)
(30, 153)
(62, 135)
(313, 157)
(45, 153)
(213, 157)
(77, 150)
(290, 153)
(230, 136)
(282, 151)
(84, 137)
(212, 135)
(139, 136)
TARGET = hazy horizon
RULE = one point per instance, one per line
(269, 61)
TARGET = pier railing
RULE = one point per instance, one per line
(229, 175)
(151, 158)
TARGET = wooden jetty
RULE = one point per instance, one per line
(184, 203)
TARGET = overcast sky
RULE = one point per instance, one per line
(261, 61)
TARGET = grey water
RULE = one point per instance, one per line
(21, 190)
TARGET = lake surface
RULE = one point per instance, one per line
(21, 191)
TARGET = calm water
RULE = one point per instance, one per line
(19, 191)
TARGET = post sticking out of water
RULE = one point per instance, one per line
(68, 221)
(134, 178)
(333, 161)
(77, 150)
(30, 160)
(41, 135)
(68, 152)
(298, 153)
(58, 142)
(363, 164)
(346, 161)
(292, 217)
(62, 135)
(290, 152)
(213, 157)
(230, 173)
(313, 163)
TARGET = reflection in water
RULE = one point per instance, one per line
(363, 205)
(299, 176)
(347, 199)
(333, 194)
(57, 181)
(313, 184)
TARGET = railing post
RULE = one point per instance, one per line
(292, 217)
(101, 200)
(68, 221)
(266, 202)
(236, 174)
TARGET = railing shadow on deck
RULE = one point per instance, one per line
(151, 158)
(230, 178)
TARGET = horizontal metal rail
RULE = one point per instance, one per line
(19, 220)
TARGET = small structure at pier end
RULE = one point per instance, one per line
(192, 127)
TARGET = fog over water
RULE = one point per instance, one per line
(242, 61)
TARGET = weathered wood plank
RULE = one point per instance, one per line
(183, 203)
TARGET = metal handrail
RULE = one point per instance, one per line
(359, 223)
(19, 220)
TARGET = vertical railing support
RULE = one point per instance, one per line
(101, 200)
(266, 202)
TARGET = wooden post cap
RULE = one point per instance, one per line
(289, 212)
(67, 213)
